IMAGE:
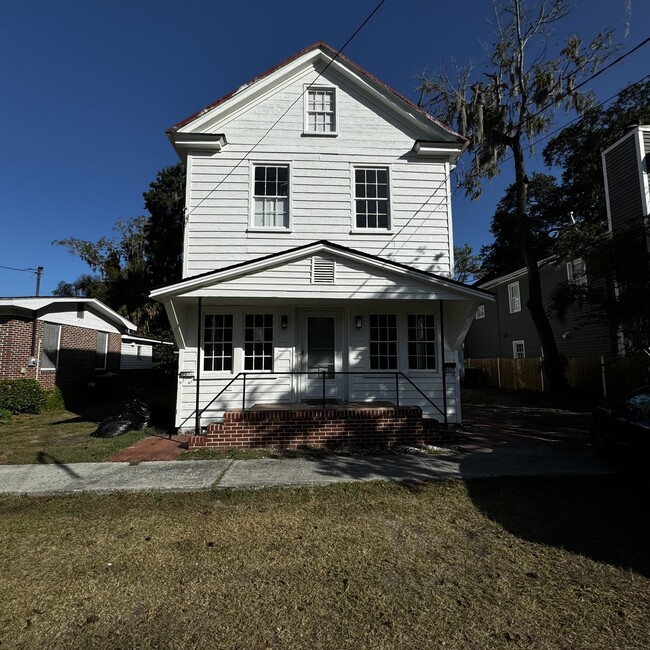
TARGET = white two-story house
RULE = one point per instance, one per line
(318, 248)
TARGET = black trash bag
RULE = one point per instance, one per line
(141, 412)
(116, 425)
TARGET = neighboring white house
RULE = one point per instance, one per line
(137, 352)
(318, 238)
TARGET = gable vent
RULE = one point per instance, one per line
(322, 271)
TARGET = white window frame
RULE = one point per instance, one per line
(480, 312)
(515, 354)
(104, 353)
(575, 276)
(514, 301)
(421, 345)
(58, 348)
(335, 112)
(255, 340)
(269, 163)
(355, 229)
(376, 359)
(233, 353)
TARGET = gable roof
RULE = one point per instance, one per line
(299, 252)
(39, 303)
(321, 51)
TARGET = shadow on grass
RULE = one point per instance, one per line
(601, 517)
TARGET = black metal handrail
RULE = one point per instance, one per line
(324, 374)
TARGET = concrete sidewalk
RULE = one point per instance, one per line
(197, 475)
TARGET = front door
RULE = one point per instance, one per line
(321, 355)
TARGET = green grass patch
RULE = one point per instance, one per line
(505, 563)
(59, 437)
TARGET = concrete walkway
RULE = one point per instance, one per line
(190, 476)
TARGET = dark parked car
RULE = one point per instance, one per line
(624, 425)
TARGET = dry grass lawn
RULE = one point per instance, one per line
(549, 564)
(59, 437)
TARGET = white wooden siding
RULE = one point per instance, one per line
(66, 314)
(353, 281)
(129, 356)
(321, 191)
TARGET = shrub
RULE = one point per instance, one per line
(54, 400)
(21, 395)
(5, 416)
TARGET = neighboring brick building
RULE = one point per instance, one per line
(59, 341)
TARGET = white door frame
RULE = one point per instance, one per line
(340, 351)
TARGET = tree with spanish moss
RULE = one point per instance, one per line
(503, 107)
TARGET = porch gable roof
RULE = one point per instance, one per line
(371, 262)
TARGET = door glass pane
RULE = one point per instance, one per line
(320, 344)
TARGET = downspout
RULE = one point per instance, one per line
(444, 372)
(197, 423)
(32, 355)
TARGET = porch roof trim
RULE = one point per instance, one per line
(323, 246)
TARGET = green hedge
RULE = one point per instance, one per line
(21, 395)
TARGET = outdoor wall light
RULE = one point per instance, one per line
(358, 322)
(284, 322)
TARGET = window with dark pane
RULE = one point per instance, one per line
(217, 342)
(383, 341)
(320, 111)
(421, 342)
(371, 197)
(258, 342)
(271, 196)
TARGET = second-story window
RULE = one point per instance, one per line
(371, 198)
(514, 299)
(271, 196)
(321, 111)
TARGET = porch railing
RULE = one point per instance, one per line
(324, 376)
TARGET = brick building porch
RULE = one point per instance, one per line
(331, 425)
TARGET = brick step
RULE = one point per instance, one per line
(322, 427)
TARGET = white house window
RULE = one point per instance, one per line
(50, 346)
(480, 312)
(383, 341)
(421, 342)
(576, 272)
(513, 297)
(371, 198)
(518, 350)
(217, 342)
(321, 111)
(102, 351)
(271, 196)
(258, 342)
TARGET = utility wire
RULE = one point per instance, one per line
(299, 98)
(11, 268)
(590, 78)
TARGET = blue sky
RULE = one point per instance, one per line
(89, 89)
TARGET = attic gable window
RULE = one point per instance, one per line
(320, 111)
(271, 197)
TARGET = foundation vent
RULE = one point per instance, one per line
(322, 271)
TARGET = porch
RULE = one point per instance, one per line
(329, 425)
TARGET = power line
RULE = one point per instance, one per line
(578, 118)
(299, 98)
(11, 268)
(588, 79)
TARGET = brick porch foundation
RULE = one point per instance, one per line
(336, 426)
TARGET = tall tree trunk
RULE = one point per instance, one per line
(553, 361)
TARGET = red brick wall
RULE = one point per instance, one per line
(77, 351)
(361, 426)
